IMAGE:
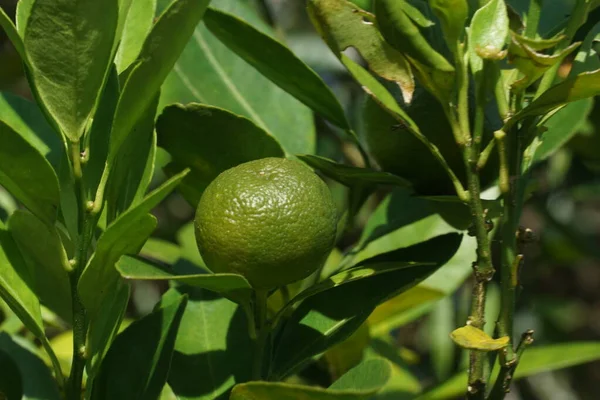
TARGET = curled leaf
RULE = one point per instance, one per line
(469, 337)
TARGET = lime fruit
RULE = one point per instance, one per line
(271, 220)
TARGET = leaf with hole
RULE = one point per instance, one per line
(343, 25)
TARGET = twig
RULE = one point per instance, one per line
(508, 368)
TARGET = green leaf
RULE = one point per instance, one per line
(561, 127)
(441, 321)
(588, 57)
(452, 15)
(161, 250)
(289, 72)
(535, 360)
(23, 12)
(43, 250)
(126, 235)
(418, 229)
(210, 140)
(472, 338)
(212, 351)
(399, 30)
(531, 63)
(233, 286)
(16, 281)
(99, 134)
(352, 176)
(27, 175)
(359, 383)
(160, 51)
(13, 35)
(331, 315)
(25, 117)
(36, 379)
(343, 25)
(133, 167)
(104, 326)
(11, 386)
(69, 59)
(574, 88)
(208, 72)
(138, 23)
(137, 364)
(488, 34)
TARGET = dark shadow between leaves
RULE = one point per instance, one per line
(37, 382)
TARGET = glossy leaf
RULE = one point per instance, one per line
(289, 73)
(330, 316)
(126, 235)
(452, 15)
(378, 92)
(37, 382)
(208, 72)
(160, 51)
(133, 167)
(561, 127)
(532, 63)
(575, 88)
(469, 337)
(488, 34)
(352, 176)
(138, 23)
(232, 286)
(69, 60)
(212, 348)
(343, 25)
(347, 354)
(27, 175)
(99, 134)
(22, 15)
(210, 140)
(535, 360)
(588, 57)
(359, 383)
(16, 281)
(104, 326)
(43, 250)
(161, 250)
(25, 117)
(146, 344)
(398, 29)
(405, 227)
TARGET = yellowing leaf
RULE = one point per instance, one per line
(469, 337)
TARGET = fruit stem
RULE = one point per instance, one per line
(263, 330)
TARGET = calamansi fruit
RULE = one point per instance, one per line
(271, 220)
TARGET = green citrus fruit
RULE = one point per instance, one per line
(397, 151)
(271, 220)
